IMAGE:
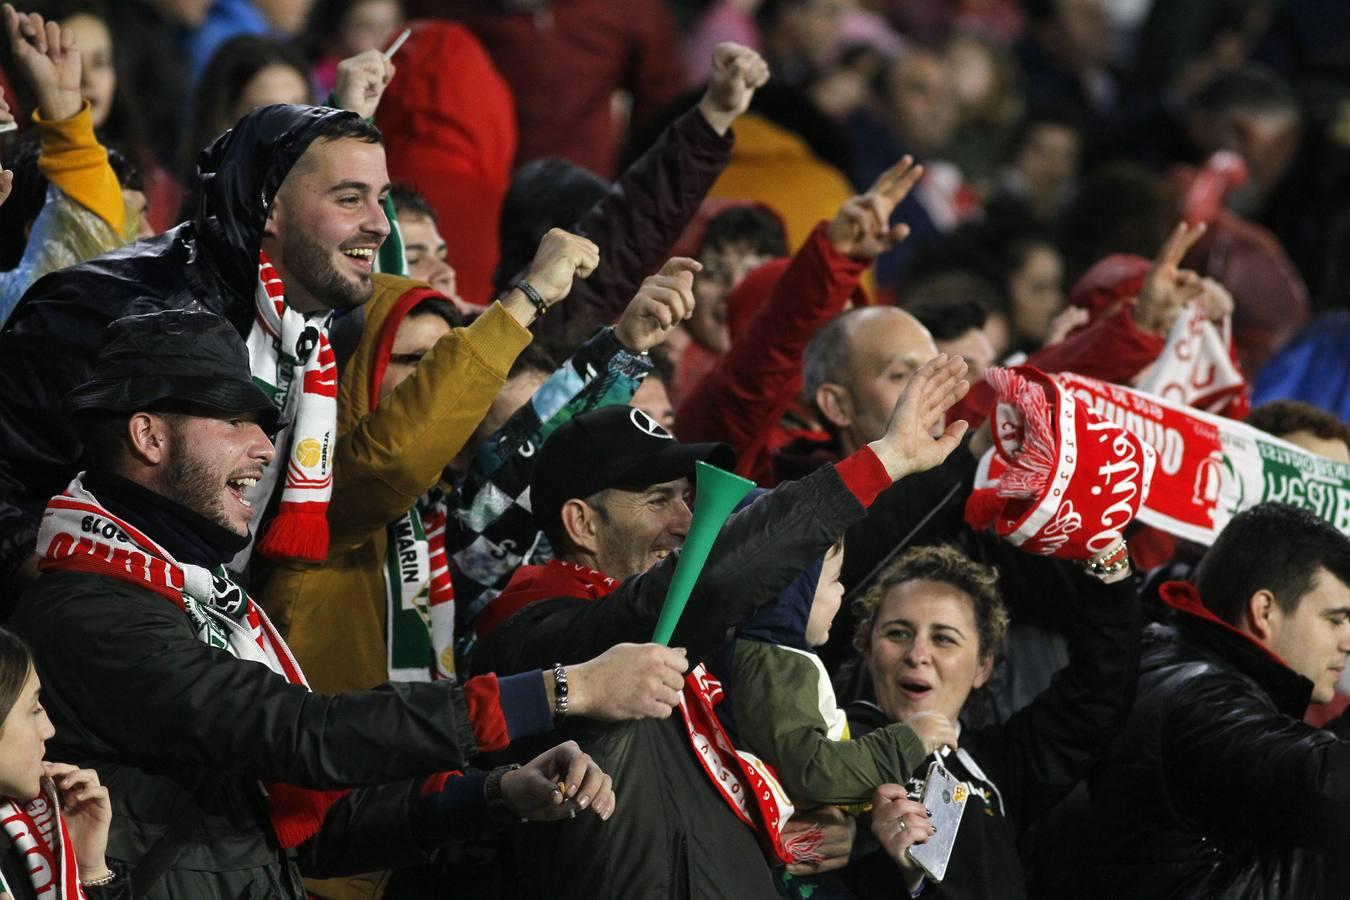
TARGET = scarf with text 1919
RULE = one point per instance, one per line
(79, 535)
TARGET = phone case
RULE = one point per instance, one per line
(945, 798)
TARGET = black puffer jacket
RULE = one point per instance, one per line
(671, 835)
(1216, 788)
(48, 345)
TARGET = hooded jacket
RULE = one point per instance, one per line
(1216, 745)
(451, 134)
(333, 613)
(780, 706)
(211, 262)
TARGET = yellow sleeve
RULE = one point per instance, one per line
(398, 452)
(74, 160)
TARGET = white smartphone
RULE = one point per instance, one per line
(945, 798)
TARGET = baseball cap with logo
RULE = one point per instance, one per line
(614, 447)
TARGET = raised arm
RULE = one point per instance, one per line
(759, 551)
(656, 197)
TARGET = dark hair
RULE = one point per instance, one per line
(947, 318)
(409, 203)
(533, 359)
(1282, 417)
(1274, 547)
(954, 287)
(439, 307)
(1038, 11)
(222, 82)
(557, 534)
(16, 661)
(947, 565)
(826, 358)
(752, 226)
(1250, 88)
(1121, 208)
(124, 127)
(1041, 117)
(544, 194)
(324, 24)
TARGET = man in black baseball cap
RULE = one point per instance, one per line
(609, 489)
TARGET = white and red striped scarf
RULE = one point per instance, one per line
(79, 535)
(281, 344)
(38, 832)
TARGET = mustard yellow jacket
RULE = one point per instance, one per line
(333, 613)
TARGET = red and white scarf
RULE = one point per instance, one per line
(282, 344)
(79, 535)
(38, 832)
(747, 783)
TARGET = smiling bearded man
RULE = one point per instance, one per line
(287, 224)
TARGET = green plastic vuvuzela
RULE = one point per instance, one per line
(718, 492)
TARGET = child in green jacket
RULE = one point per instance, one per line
(781, 706)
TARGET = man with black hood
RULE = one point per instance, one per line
(289, 220)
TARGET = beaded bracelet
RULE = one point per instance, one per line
(559, 691)
(100, 881)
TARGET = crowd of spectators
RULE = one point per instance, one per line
(365, 366)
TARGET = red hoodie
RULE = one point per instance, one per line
(449, 125)
(772, 315)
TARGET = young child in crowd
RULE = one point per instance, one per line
(781, 706)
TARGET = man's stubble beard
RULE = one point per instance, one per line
(190, 482)
(311, 266)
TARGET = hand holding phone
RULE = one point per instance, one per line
(945, 798)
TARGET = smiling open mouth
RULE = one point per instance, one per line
(240, 486)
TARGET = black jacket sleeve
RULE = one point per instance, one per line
(46, 349)
(368, 830)
(927, 508)
(123, 667)
(1049, 746)
(641, 217)
(758, 553)
(1229, 750)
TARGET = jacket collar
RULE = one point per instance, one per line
(1290, 691)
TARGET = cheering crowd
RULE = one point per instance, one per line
(365, 366)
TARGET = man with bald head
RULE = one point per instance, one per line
(860, 361)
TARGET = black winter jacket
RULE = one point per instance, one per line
(1216, 788)
(182, 733)
(1033, 760)
(671, 836)
(49, 343)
